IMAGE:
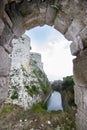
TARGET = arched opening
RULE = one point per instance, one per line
(20, 97)
(55, 51)
(56, 55)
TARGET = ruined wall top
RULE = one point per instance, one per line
(21, 52)
(37, 58)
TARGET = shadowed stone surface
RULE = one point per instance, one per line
(5, 63)
(83, 36)
(1, 26)
(80, 69)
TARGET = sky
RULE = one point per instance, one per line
(54, 49)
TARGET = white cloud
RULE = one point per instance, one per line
(56, 56)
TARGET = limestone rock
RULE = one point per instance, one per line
(80, 120)
(61, 23)
(80, 69)
(3, 89)
(76, 46)
(21, 52)
(78, 96)
(2, 26)
(83, 35)
(37, 58)
(28, 83)
(7, 19)
(6, 38)
(72, 33)
(5, 62)
(50, 15)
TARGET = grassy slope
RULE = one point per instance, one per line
(15, 118)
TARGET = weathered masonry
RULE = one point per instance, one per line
(69, 17)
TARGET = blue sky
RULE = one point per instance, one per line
(55, 51)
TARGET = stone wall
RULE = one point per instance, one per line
(67, 16)
(27, 80)
(80, 89)
(21, 52)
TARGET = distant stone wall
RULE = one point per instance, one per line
(37, 57)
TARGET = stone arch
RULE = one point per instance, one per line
(67, 16)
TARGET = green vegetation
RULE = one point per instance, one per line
(33, 90)
(38, 108)
(6, 109)
(42, 79)
(33, 87)
(68, 87)
(68, 84)
(10, 116)
(68, 122)
(14, 95)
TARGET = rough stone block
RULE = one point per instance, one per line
(1, 26)
(81, 122)
(76, 46)
(78, 96)
(31, 21)
(18, 29)
(6, 38)
(74, 29)
(5, 62)
(3, 89)
(62, 23)
(83, 35)
(50, 15)
(81, 98)
(84, 99)
(80, 69)
(73, 35)
(8, 20)
(42, 16)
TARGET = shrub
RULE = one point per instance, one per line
(38, 108)
(68, 84)
(14, 95)
(33, 90)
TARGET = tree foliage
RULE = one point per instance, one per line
(68, 84)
